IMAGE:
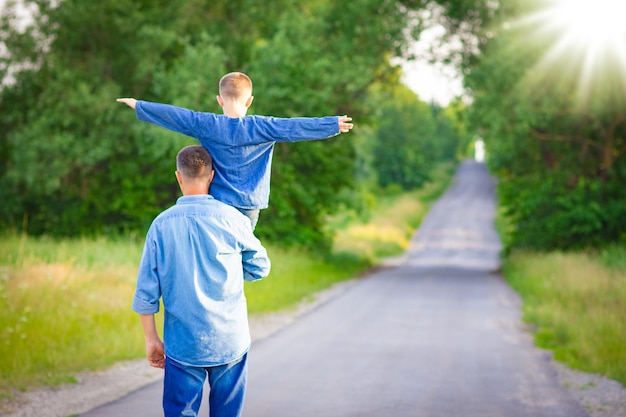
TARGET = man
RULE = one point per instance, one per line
(196, 256)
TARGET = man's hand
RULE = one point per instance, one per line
(130, 102)
(155, 354)
(344, 126)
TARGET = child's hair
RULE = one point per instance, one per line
(235, 85)
(194, 162)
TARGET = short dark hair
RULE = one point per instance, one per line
(194, 162)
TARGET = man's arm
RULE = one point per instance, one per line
(256, 263)
(155, 352)
(146, 302)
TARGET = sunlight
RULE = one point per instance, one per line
(593, 29)
(590, 25)
(586, 40)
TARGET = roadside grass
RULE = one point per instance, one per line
(64, 308)
(576, 303)
(65, 304)
(296, 276)
(388, 231)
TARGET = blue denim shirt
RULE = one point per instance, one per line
(196, 257)
(242, 147)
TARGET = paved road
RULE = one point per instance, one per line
(437, 335)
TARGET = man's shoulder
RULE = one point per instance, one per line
(168, 212)
(205, 205)
(229, 211)
(219, 205)
(211, 213)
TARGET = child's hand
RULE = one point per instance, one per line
(130, 102)
(344, 126)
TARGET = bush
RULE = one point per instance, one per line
(550, 215)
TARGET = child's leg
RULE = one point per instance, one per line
(227, 388)
(253, 215)
(182, 389)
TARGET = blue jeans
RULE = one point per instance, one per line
(182, 388)
(253, 215)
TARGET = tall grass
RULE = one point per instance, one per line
(388, 230)
(64, 307)
(577, 304)
(575, 301)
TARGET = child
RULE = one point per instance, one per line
(242, 146)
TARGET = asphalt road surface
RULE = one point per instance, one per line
(438, 334)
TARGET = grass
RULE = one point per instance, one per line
(576, 303)
(65, 304)
(388, 231)
(64, 308)
(296, 276)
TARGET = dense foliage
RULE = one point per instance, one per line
(74, 162)
(399, 142)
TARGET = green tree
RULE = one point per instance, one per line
(405, 149)
(71, 166)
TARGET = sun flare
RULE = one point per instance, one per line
(583, 39)
(590, 24)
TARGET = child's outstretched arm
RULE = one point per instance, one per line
(344, 126)
(177, 119)
(130, 102)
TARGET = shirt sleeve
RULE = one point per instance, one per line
(148, 290)
(297, 129)
(177, 119)
(256, 263)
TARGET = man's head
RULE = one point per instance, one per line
(194, 170)
(235, 94)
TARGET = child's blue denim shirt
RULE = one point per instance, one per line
(242, 147)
